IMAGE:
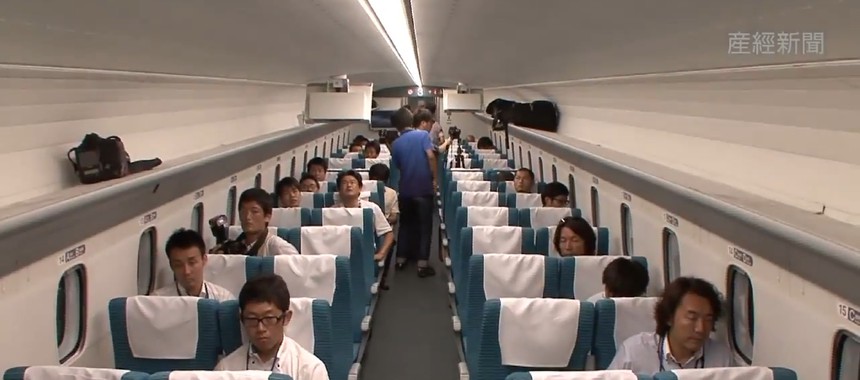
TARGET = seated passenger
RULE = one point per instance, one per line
(574, 236)
(309, 184)
(349, 188)
(356, 147)
(264, 307)
(524, 180)
(380, 172)
(186, 252)
(288, 192)
(470, 138)
(555, 194)
(360, 139)
(685, 316)
(317, 167)
(623, 278)
(485, 143)
(371, 149)
(255, 212)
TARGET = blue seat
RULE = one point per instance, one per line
(325, 277)
(530, 334)
(544, 235)
(617, 320)
(471, 216)
(361, 218)
(493, 276)
(152, 334)
(769, 373)
(578, 375)
(310, 326)
(480, 240)
(581, 277)
(63, 372)
(219, 375)
(231, 271)
(470, 198)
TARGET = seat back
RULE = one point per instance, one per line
(231, 271)
(617, 320)
(219, 375)
(340, 163)
(355, 217)
(623, 374)
(745, 373)
(470, 216)
(544, 235)
(312, 200)
(522, 334)
(233, 232)
(325, 277)
(523, 200)
(152, 334)
(469, 198)
(536, 217)
(581, 277)
(496, 275)
(310, 327)
(479, 240)
(290, 217)
(41, 372)
(495, 163)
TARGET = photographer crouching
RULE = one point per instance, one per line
(255, 212)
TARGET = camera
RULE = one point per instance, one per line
(454, 132)
(219, 227)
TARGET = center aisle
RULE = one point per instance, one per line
(413, 336)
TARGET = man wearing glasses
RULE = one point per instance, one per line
(264, 304)
(555, 194)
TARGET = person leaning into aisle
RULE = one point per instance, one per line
(186, 253)
(264, 311)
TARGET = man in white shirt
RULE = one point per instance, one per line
(186, 252)
(255, 212)
(264, 304)
(349, 186)
(380, 172)
(623, 277)
(685, 318)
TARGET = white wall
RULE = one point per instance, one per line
(786, 134)
(46, 112)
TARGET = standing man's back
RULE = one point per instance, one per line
(413, 154)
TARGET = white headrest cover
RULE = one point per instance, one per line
(308, 276)
(364, 195)
(744, 373)
(486, 156)
(162, 327)
(68, 373)
(323, 188)
(326, 240)
(486, 216)
(495, 163)
(509, 187)
(484, 151)
(612, 374)
(331, 176)
(548, 216)
(351, 155)
(473, 186)
(633, 316)
(503, 239)
(538, 332)
(368, 162)
(370, 186)
(342, 216)
(513, 275)
(307, 200)
(228, 271)
(301, 326)
(480, 198)
(588, 275)
(286, 217)
(340, 163)
(234, 231)
(219, 375)
(528, 200)
(467, 176)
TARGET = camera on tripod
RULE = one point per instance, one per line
(454, 132)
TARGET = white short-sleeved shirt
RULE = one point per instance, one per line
(210, 291)
(380, 223)
(274, 246)
(640, 354)
(392, 205)
(291, 359)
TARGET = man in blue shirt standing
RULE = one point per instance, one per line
(414, 156)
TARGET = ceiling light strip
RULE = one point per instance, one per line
(390, 18)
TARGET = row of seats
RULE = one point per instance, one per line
(757, 373)
(83, 373)
(189, 333)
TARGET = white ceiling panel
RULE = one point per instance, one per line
(490, 43)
